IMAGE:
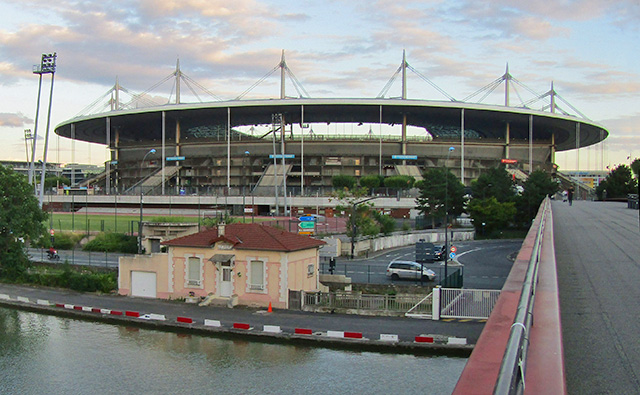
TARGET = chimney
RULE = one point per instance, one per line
(221, 227)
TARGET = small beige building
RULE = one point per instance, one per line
(251, 263)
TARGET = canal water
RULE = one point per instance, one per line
(42, 354)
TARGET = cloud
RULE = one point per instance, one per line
(16, 120)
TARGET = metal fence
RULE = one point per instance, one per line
(467, 303)
(390, 304)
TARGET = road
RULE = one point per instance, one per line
(78, 257)
(486, 264)
(597, 248)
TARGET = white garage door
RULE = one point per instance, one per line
(143, 284)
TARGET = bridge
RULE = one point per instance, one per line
(577, 333)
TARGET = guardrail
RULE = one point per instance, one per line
(512, 345)
(511, 375)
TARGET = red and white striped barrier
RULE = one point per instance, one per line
(238, 325)
(214, 323)
(388, 337)
(274, 329)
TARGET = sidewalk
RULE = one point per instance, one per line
(395, 334)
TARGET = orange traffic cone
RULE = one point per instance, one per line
(269, 310)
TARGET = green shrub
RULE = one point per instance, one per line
(399, 182)
(85, 281)
(113, 242)
(165, 219)
(371, 182)
(66, 240)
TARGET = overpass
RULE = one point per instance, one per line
(581, 335)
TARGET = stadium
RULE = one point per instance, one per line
(297, 145)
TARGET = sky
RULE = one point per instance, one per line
(589, 49)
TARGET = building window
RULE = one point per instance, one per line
(256, 276)
(310, 270)
(193, 272)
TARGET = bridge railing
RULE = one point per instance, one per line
(511, 347)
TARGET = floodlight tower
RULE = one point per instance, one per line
(47, 66)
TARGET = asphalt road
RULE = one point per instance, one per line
(597, 248)
(486, 264)
(78, 257)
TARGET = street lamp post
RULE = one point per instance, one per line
(151, 151)
(446, 216)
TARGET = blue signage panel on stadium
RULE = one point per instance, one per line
(413, 157)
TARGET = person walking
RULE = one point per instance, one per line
(570, 196)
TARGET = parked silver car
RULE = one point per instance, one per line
(409, 270)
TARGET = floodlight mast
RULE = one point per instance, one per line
(47, 66)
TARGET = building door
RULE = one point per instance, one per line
(226, 285)
(143, 284)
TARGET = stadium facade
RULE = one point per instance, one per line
(214, 144)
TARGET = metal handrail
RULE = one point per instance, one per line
(511, 375)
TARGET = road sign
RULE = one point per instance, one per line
(307, 225)
(454, 249)
(305, 233)
(52, 232)
(309, 218)
(174, 158)
(452, 255)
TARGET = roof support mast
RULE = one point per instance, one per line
(178, 77)
(283, 66)
(507, 79)
(404, 97)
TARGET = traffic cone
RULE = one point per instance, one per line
(269, 310)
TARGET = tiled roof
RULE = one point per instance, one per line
(248, 237)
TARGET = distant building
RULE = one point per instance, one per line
(248, 264)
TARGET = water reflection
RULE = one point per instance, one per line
(46, 354)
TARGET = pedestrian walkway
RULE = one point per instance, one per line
(361, 332)
(597, 248)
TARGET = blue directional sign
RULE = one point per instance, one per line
(170, 158)
(452, 255)
(279, 156)
(309, 218)
(409, 157)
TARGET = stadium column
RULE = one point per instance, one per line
(553, 148)
(530, 143)
(462, 146)
(116, 152)
(507, 135)
(301, 150)
(108, 165)
(177, 150)
(164, 123)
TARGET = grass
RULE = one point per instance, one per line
(121, 223)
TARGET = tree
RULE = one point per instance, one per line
(635, 166)
(536, 188)
(399, 182)
(362, 220)
(371, 182)
(489, 215)
(437, 184)
(21, 219)
(343, 181)
(495, 182)
(618, 184)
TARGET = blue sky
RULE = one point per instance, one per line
(590, 49)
